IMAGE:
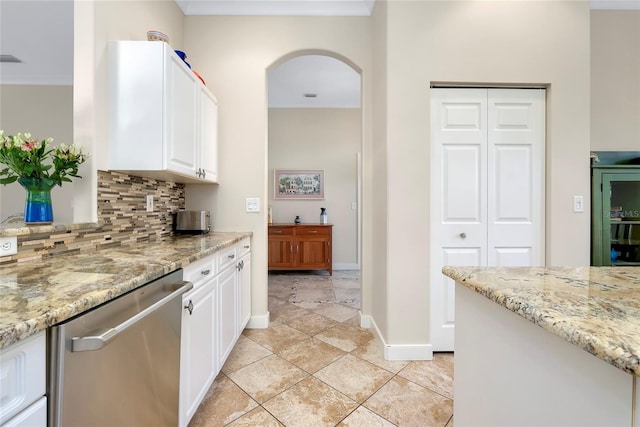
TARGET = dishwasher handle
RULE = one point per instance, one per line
(96, 342)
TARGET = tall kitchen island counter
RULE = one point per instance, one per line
(546, 346)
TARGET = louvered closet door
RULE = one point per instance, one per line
(486, 188)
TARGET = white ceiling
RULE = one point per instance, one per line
(40, 33)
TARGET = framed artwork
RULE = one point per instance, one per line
(298, 184)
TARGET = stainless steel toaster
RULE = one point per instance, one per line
(193, 222)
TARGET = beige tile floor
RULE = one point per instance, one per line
(315, 366)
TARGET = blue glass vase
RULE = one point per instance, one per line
(37, 208)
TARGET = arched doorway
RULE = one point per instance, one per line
(315, 122)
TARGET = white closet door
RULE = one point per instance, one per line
(459, 197)
(516, 177)
(487, 188)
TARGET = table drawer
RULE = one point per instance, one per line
(313, 231)
(280, 231)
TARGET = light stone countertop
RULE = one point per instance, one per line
(36, 295)
(594, 308)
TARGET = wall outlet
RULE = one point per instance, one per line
(8, 245)
(149, 203)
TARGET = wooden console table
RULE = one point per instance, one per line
(300, 247)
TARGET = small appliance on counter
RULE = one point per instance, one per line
(192, 222)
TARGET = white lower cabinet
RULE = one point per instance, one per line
(215, 312)
(198, 367)
(244, 284)
(22, 383)
(227, 309)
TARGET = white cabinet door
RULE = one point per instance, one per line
(162, 121)
(244, 285)
(198, 367)
(34, 416)
(181, 117)
(208, 138)
(22, 377)
(227, 312)
(198, 359)
(487, 194)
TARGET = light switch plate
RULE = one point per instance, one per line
(578, 204)
(253, 204)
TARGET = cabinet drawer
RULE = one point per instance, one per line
(313, 231)
(244, 247)
(226, 258)
(22, 375)
(201, 269)
(280, 231)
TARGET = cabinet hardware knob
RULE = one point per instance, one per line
(189, 307)
(232, 256)
(463, 235)
(205, 272)
(246, 246)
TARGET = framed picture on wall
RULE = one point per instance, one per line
(298, 184)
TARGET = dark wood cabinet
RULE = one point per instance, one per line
(300, 247)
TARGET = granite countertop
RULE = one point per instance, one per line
(594, 308)
(36, 295)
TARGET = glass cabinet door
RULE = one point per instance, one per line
(621, 219)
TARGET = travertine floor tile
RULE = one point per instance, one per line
(345, 337)
(373, 352)
(223, 403)
(309, 323)
(244, 353)
(311, 354)
(337, 312)
(436, 374)
(310, 403)
(276, 337)
(323, 295)
(354, 377)
(324, 364)
(362, 417)
(267, 377)
(257, 417)
(407, 404)
(286, 311)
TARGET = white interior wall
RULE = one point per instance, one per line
(327, 139)
(43, 111)
(615, 80)
(97, 22)
(233, 54)
(489, 42)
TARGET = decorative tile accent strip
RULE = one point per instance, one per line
(122, 219)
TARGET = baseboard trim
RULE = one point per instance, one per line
(398, 352)
(345, 266)
(258, 322)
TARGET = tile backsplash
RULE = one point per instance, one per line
(122, 218)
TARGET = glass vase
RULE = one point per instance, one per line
(37, 207)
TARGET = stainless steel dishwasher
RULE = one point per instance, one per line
(119, 364)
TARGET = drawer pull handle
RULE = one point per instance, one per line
(189, 307)
(313, 231)
(232, 256)
(246, 246)
(205, 272)
(276, 231)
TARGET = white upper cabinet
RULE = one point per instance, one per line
(162, 121)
